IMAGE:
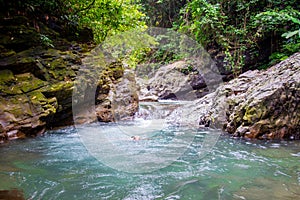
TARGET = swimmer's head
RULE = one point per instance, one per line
(135, 137)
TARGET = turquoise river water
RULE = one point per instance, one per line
(58, 166)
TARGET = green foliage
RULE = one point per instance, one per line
(106, 17)
(187, 70)
(162, 13)
(34, 9)
(276, 20)
(238, 27)
(169, 47)
(235, 28)
(45, 40)
(272, 21)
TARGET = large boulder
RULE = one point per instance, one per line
(177, 81)
(35, 90)
(123, 98)
(257, 104)
(24, 109)
(104, 92)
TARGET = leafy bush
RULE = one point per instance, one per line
(286, 23)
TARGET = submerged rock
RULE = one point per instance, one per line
(257, 104)
(12, 194)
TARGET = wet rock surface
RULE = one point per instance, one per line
(176, 81)
(257, 104)
(34, 94)
(105, 92)
(37, 81)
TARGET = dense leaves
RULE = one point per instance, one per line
(162, 13)
(240, 28)
(105, 17)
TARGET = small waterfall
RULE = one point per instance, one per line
(156, 110)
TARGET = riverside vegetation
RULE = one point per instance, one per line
(44, 43)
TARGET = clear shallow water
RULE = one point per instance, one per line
(58, 166)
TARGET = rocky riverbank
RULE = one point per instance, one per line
(37, 73)
(257, 104)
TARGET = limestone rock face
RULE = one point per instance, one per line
(178, 81)
(35, 90)
(37, 81)
(257, 104)
(107, 95)
(38, 94)
(124, 97)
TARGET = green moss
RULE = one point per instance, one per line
(60, 86)
(6, 52)
(57, 63)
(47, 106)
(62, 90)
(15, 106)
(51, 53)
(6, 77)
(7, 83)
(27, 82)
(37, 98)
(19, 61)
(59, 69)
(25, 60)
(115, 70)
(254, 113)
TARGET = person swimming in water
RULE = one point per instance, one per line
(135, 138)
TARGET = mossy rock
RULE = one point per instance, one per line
(59, 65)
(6, 52)
(61, 90)
(43, 105)
(6, 77)
(19, 37)
(20, 63)
(15, 108)
(50, 65)
(27, 82)
(26, 111)
(115, 70)
(7, 82)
